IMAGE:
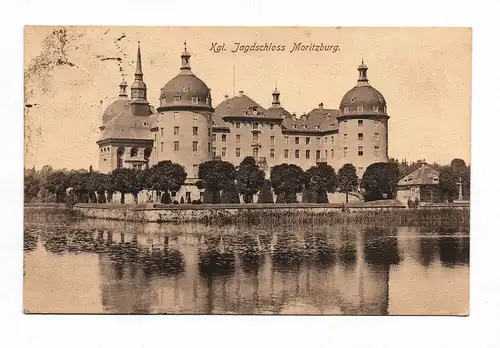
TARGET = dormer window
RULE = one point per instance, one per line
(317, 126)
(177, 99)
(294, 126)
(346, 108)
(360, 108)
(305, 126)
(194, 99)
(375, 108)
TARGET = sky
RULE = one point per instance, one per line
(423, 73)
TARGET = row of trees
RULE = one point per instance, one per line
(222, 182)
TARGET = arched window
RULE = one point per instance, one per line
(133, 152)
(119, 157)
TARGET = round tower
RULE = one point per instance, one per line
(183, 129)
(363, 125)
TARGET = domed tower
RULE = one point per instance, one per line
(363, 122)
(183, 129)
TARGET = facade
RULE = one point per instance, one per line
(187, 129)
(422, 183)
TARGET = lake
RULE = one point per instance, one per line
(75, 265)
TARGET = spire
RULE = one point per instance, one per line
(276, 97)
(138, 90)
(185, 58)
(138, 70)
(363, 77)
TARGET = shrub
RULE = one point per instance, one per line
(196, 201)
(175, 202)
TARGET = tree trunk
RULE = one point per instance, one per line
(122, 198)
(347, 197)
(248, 198)
(136, 197)
(215, 197)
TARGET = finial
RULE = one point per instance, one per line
(185, 45)
(276, 85)
(362, 60)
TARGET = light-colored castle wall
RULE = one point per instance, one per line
(166, 138)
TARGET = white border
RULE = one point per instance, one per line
(479, 329)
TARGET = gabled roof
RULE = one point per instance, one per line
(424, 175)
(126, 126)
(317, 120)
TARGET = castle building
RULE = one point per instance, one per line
(185, 128)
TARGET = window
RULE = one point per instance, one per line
(176, 146)
(318, 154)
(345, 124)
(377, 136)
(286, 153)
(237, 124)
(318, 140)
(161, 131)
(360, 123)
(176, 115)
(214, 137)
(326, 154)
(195, 117)
(256, 152)
(177, 99)
(195, 146)
(271, 126)
(214, 151)
(375, 108)
(294, 126)
(377, 151)
(176, 130)
(297, 153)
(161, 146)
(224, 150)
(238, 152)
(346, 109)
(308, 154)
(360, 108)
(286, 140)
(332, 140)
(345, 151)
(316, 126)
(297, 141)
(195, 170)
(271, 139)
(195, 130)
(345, 137)
(224, 138)
(333, 154)
(360, 136)
(194, 99)
(377, 122)
(308, 140)
(255, 138)
(255, 125)
(271, 153)
(360, 150)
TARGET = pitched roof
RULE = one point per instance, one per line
(424, 175)
(240, 106)
(318, 119)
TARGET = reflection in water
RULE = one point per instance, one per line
(149, 268)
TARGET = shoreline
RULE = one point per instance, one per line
(379, 212)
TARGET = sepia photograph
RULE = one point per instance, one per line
(247, 170)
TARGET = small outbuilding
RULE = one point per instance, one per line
(422, 183)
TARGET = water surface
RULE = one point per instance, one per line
(97, 266)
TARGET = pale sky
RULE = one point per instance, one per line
(423, 73)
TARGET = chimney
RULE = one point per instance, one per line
(226, 97)
(294, 115)
(304, 116)
(321, 106)
(241, 93)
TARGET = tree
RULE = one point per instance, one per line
(57, 183)
(265, 193)
(249, 178)
(214, 176)
(230, 195)
(287, 180)
(450, 176)
(379, 181)
(165, 176)
(96, 183)
(347, 179)
(79, 183)
(124, 180)
(31, 186)
(321, 179)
